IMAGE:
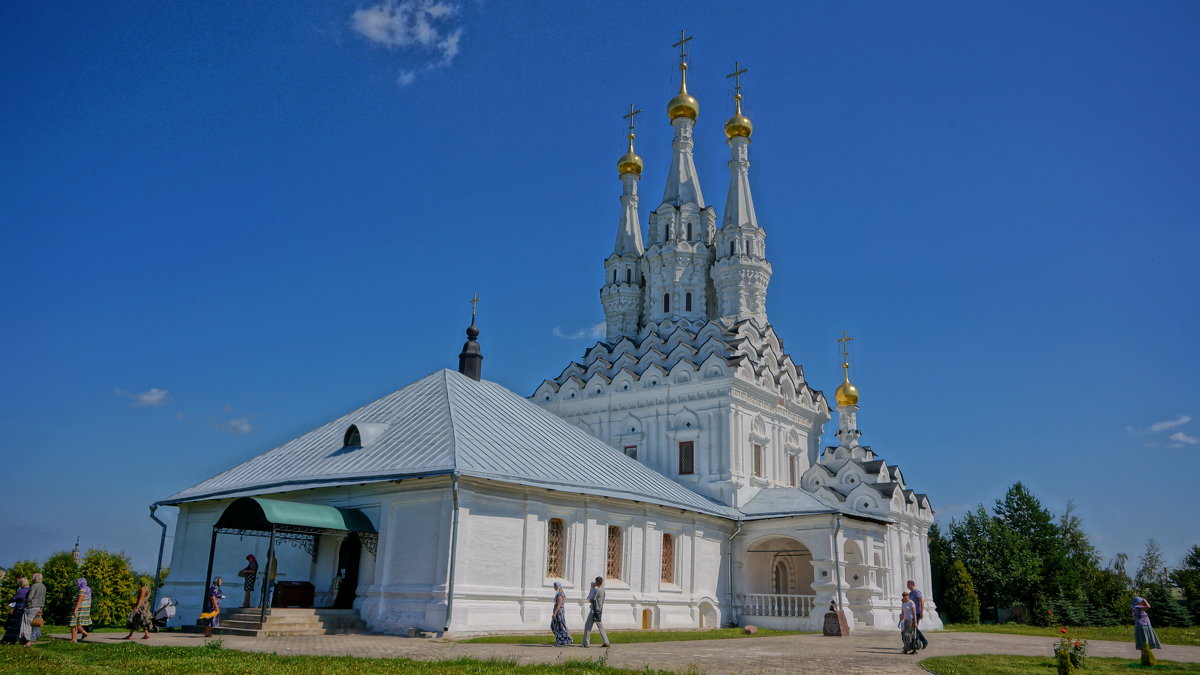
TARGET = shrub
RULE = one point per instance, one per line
(60, 572)
(960, 603)
(112, 582)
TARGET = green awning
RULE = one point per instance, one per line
(255, 513)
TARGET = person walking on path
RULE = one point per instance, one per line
(558, 622)
(918, 599)
(81, 615)
(1143, 632)
(908, 624)
(34, 603)
(139, 618)
(249, 574)
(595, 612)
(16, 615)
(212, 607)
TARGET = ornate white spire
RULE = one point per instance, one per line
(683, 185)
(741, 273)
(621, 295)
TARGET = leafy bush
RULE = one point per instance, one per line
(112, 581)
(959, 601)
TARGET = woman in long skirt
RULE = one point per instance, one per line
(558, 624)
(908, 625)
(1143, 633)
(139, 618)
(81, 615)
(12, 627)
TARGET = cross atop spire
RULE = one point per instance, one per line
(684, 38)
(474, 305)
(845, 340)
(630, 116)
(737, 73)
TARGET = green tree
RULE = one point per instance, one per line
(1000, 565)
(1152, 571)
(940, 558)
(8, 586)
(960, 603)
(1034, 542)
(112, 582)
(1187, 578)
(60, 572)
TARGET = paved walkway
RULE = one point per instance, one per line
(862, 652)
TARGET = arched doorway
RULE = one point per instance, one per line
(348, 560)
(782, 577)
(776, 579)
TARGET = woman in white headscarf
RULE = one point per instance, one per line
(558, 623)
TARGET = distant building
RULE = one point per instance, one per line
(679, 459)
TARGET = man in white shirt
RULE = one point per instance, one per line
(596, 602)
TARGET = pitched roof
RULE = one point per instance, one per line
(446, 423)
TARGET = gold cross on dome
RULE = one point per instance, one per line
(684, 38)
(474, 303)
(632, 114)
(845, 340)
(737, 80)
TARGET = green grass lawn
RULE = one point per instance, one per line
(628, 636)
(58, 656)
(1168, 636)
(996, 664)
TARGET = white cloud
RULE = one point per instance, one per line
(595, 332)
(413, 26)
(236, 425)
(1170, 424)
(151, 398)
(1179, 439)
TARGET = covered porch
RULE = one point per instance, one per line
(776, 584)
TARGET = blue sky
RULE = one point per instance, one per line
(226, 223)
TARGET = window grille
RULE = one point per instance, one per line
(687, 457)
(687, 302)
(555, 548)
(758, 460)
(668, 558)
(613, 570)
(631, 451)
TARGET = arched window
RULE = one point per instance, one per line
(687, 302)
(352, 439)
(758, 460)
(689, 231)
(732, 247)
(628, 276)
(614, 276)
(668, 558)
(666, 302)
(556, 547)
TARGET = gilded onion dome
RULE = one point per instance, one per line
(739, 124)
(847, 394)
(630, 162)
(683, 105)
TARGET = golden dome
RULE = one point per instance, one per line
(683, 105)
(739, 124)
(629, 162)
(847, 394)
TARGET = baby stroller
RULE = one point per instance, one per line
(164, 613)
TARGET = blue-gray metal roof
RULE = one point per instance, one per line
(446, 423)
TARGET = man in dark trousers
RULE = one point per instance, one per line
(919, 599)
(596, 600)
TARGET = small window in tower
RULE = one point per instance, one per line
(687, 457)
(666, 302)
(732, 247)
(687, 302)
(614, 276)
(689, 231)
(352, 439)
(628, 276)
(631, 451)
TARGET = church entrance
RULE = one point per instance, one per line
(776, 582)
(348, 559)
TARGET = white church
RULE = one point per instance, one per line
(680, 459)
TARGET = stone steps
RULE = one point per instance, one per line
(291, 621)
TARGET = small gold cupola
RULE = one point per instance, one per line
(847, 394)
(630, 162)
(739, 124)
(683, 105)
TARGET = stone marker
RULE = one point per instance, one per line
(835, 623)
